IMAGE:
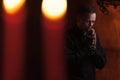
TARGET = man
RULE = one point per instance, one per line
(84, 52)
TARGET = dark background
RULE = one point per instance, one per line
(107, 27)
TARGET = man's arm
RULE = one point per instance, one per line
(99, 58)
(95, 50)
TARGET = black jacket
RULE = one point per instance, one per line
(81, 65)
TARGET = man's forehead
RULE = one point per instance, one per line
(88, 15)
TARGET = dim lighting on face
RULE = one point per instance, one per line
(12, 6)
(54, 9)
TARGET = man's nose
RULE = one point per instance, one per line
(90, 24)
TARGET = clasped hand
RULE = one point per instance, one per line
(91, 39)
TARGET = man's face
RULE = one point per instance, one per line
(87, 21)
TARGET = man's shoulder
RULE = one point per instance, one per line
(71, 30)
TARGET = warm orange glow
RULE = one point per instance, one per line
(54, 9)
(12, 6)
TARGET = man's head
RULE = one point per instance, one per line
(86, 17)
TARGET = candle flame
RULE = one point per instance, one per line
(54, 9)
(12, 6)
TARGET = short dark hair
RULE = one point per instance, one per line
(85, 9)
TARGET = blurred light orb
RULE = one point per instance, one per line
(54, 9)
(12, 6)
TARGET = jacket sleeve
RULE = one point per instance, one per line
(72, 53)
(99, 58)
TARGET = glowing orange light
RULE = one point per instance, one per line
(54, 9)
(12, 6)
